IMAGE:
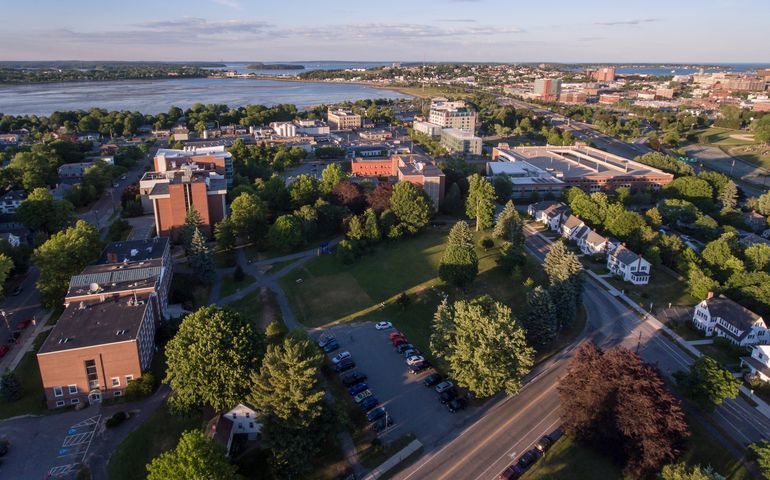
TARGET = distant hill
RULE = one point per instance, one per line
(274, 66)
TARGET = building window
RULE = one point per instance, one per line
(117, 393)
(93, 376)
(129, 379)
(73, 389)
(115, 381)
(58, 392)
(60, 403)
(74, 401)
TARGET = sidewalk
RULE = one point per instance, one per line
(10, 362)
(394, 461)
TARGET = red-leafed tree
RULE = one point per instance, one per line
(349, 195)
(379, 198)
(618, 404)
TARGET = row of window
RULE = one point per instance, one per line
(75, 401)
(73, 389)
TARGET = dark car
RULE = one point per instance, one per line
(399, 341)
(4, 350)
(383, 423)
(16, 291)
(345, 365)
(376, 414)
(24, 324)
(529, 458)
(331, 346)
(326, 340)
(419, 367)
(358, 388)
(369, 404)
(544, 444)
(447, 396)
(432, 379)
(404, 347)
(511, 473)
(456, 405)
(353, 378)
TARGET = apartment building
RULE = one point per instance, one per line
(11, 200)
(208, 159)
(427, 128)
(343, 119)
(606, 74)
(448, 114)
(460, 141)
(547, 89)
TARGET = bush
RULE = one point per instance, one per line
(141, 387)
(238, 274)
(116, 419)
(403, 300)
(487, 243)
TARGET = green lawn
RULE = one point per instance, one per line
(724, 137)
(262, 309)
(159, 433)
(28, 373)
(685, 329)
(567, 460)
(373, 457)
(727, 355)
(755, 154)
(230, 286)
(663, 289)
(704, 450)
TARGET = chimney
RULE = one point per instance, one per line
(112, 257)
(710, 296)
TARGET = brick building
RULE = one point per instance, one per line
(417, 169)
(343, 119)
(211, 159)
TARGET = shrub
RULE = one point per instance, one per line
(403, 300)
(487, 243)
(116, 419)
(238, 274)
(141, 387)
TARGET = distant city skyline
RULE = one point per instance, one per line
(687, 31)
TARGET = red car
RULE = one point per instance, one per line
(511, 473)
(394, 335)
(399, 341)
(3, 350)
(24, 324)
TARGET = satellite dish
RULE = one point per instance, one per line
(93, 287)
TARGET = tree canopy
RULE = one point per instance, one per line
(411, 206)
(459, 263)
(195, 457)
(707, 383)
(480, 204)
(41, 212)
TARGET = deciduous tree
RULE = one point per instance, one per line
(286, 233)
(331, 176)
(707, 383)
(41, 212)
(195, 457)
(248, 216)
(411, 206)
(304, 191)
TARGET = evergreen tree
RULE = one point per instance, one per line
(225, 235)
(453, 200)
(200, 258)
(459, 263)
(503, 188)
(371, 228)
(728, 195)
(480, 204)
(192, 222)
(541, 320)
(10, 387)
(331, 176)
(356, 229)
(761, 453)
(565, 275)
(441, 336)
(509, 226)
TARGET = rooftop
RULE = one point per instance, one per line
(87, 324)
(134, 250)
(415, 164)
(732, 312)
(461, 134)
(111, 278)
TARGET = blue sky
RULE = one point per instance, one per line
(393, 30)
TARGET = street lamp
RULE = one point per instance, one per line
(5, 317)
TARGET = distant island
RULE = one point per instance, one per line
(274, 66)
(68, 71)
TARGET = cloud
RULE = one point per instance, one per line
(457, 20)
(393, 31)
(637, 21)
(591, 39)
(228, 3)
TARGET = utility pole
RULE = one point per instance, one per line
(639, 342)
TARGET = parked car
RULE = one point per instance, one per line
(357, 388)
(376, 414)
(444, 386)
(419, 367)
(447, 396)
(383, 423)
(410, 352)
(456, 405)
(341, 356)
(529, 458)
(393, 335)
(353, 378)
(511, 473)
(398, 341)
(404, 347)
(24, 324)
(383, 325)
(17, 291)
(331, 346)
(547, 441)
(4, 349)
(345, 365)
(325, 340)
(432, 379)
(415, 359)
(369, 403)
(362, 396)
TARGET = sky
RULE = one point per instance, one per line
(620, 31)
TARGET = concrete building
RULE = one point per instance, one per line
(731, 320)
(448, 114)
(591, 169)
(284, 129)
(573, 97)
(343, 119)
(460, 141)
(606, 74)
(208, 159)
(312, 128)
(96, 349)
(175, 193)
(609, 98)
(547, 89)
(427, 128)
(527, 179)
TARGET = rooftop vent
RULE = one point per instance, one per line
(94, 288)
(64, 340)
(120, 332)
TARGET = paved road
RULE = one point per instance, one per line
(24, 306)
(752, 179)
(484, 449)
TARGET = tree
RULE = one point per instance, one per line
(10, 387)
(275, 332)
(653, 217)
(62, 256)
(286, 233)
(626, 225)
(758, 256)
(480, 204)
(350, 195)
(287, 384)
(761, 127)
(192, 223)
(379, 198)
(304, 191)
(41, 212)
(224, 233)
(273, 191)
(700, 284)
(195, 457)
(483, 325)
(200, 259)
(411, 206)
(459, 263)
(355, 229)
(372, 232)
(616, 403)
(719, 257)
(6, 265)
(453, 200)
(208, 359)
(541, 320)
(763, 203)
(728, 195)
(509, 226)
(681, 471)
(565, 276)
(331, 176)
(248, 216)
(33, 170)
(692, 189)
(707, 383)
(503, 188)
(761, 452)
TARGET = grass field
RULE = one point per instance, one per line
(229, 285)
(158, 434)
(430, 92)
(724, 137)
(567, 460)
(663, 289)
(758, 155)
(28, 373)
(263, 308)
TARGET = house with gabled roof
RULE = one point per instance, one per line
(239, 420)
(570, 226)
(727, 318)
(629, 266)
(758, 364)
(593, 243)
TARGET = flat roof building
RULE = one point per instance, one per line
(343, 119)
(210, 159)
(417, 169)
(448, 114)
(547, 89)
(460, 141)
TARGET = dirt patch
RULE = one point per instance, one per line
(746, 137)
(270, 311)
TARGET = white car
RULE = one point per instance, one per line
(340, 357)
(415, 359)
(383, 325)
(444, 386)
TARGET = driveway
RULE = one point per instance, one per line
(414, 407)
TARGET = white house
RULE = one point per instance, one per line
(241, 419)
(593, 243)
(570, 226)
(12, 239)
(549, 213)
(631, 267)
(11, 201)
(731, 320)
(758, 363)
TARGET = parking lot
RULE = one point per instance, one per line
(413, 407)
